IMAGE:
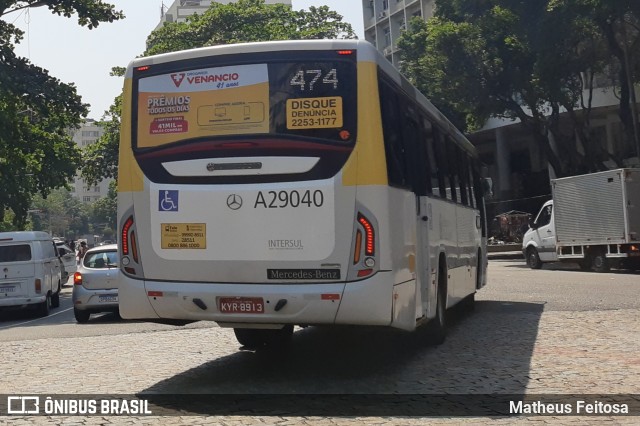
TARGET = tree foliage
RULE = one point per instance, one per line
(60, 213)
(242, 21)
(248, 21)
(36, 110)
(524, 60)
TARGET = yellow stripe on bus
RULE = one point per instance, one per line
(367, 164)
(130, 177)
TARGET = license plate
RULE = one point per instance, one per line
(8, 289)
(108, 298)
(241, 305)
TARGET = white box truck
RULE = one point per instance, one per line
(593, 220)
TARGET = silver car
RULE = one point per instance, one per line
(95, 284)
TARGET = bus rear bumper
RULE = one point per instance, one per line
(366, 302)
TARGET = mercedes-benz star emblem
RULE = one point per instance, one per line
(234, 201)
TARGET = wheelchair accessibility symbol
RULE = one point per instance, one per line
(167, 201)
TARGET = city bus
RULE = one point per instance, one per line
(278, 184)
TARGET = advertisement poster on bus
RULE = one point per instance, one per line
(203, 102)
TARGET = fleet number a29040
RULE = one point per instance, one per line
(294, 198)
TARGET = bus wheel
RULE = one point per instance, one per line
(600, 262)
(438, 325)
(533, 260)
(256, 338)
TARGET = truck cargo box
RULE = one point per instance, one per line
(597, 208)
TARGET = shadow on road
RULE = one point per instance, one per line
(486, 352)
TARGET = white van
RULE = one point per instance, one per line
(30, 271)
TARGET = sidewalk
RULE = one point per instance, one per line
(505, 251)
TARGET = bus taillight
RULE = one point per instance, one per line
(125, 235)
(369, 242)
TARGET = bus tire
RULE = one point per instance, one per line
(257, 338)
(599, 261)
(437, 327)
(533, 259)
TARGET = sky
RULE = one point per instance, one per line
(84, 57)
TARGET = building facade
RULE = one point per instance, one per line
(179, 10)
(88, 133)
(384, 21)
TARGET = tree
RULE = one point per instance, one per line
(619, 24)
(247, 21)
(103, 212)
(60, 213)
(36, 110)
(243, 21)
(516, 60)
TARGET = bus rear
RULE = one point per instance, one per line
(236, 196)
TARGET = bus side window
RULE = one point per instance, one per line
(415, 153)
(453, 169)
(472, 192)
(462, 169)
(433, 180)
(392, 131)
(444, 181)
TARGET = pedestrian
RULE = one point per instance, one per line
(72, 245)
(82, 251)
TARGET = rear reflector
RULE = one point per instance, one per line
(154, 294)
(365, 272)
(330, 296)
(38, 285)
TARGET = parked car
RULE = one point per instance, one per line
(68, 257)
(31, 271)
(95, 283)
